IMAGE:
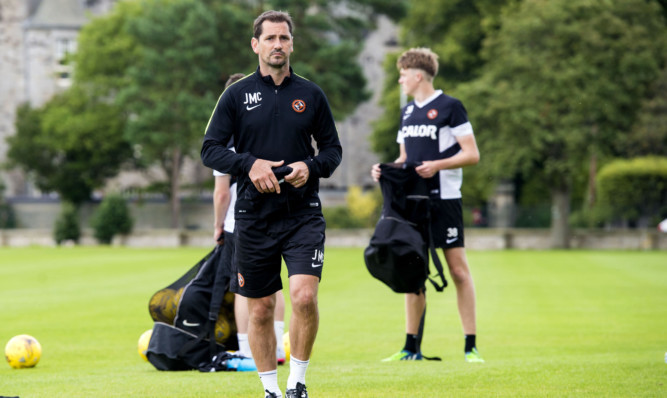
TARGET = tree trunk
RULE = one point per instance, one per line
(174, 197)
(592, 175)
(592, 169)
(560, 213)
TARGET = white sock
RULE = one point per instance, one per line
(244, 346)
(279, 328)
(270, 382)
(297, 372)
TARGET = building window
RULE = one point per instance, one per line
(64, 47)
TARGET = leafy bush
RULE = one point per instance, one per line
(364, 206)
(535, 216)
(362, 210)
(111, 218)
(7, 216)
(339, 217)
(633, 188)
(67, 224)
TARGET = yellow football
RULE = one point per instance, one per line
(142, 345)
(23, 351)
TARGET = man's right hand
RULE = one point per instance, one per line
(219, 235)
(375, 172)
(262, 177)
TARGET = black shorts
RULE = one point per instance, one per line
(226, 261)
(261, 245)
(447, 223)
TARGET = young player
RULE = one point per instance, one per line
(435, 133)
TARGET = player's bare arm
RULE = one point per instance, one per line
(468, 155)
(221, 199)
(262, 177)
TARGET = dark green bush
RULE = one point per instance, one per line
(7, 215)
(633, 188)
(111, 218)
(67, 225)
(536, 216)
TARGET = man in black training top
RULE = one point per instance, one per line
(272, 116)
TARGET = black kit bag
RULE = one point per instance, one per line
(398, 252)
(397, 255)
(194, 317)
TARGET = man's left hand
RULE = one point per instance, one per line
(299, 175)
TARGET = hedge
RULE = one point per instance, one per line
(633, 188)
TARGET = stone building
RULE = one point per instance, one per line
(35, 36)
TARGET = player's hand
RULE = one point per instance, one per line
(375, 172)
(262, 176)
(219, 235)
(299, 175)
(427, 169)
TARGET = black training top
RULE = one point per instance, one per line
(273, 123)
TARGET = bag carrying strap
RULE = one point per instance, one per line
(436, 258)
(211, 337)
(420, 333)
(438, 267)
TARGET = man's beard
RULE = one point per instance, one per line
(278, 64)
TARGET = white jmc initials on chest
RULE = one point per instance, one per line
(252, 98)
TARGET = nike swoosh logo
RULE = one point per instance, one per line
(249, 108)
(186, 323)
(451, 240)
(316, 265)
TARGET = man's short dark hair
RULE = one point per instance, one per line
(271, 16)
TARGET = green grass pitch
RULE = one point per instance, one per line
(550, 324)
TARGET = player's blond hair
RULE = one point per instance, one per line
(419, 58)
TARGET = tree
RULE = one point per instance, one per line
(105, 50)
(562, 81)
(649, 133)
(455, 30)
(168, 94)
(70, 146)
